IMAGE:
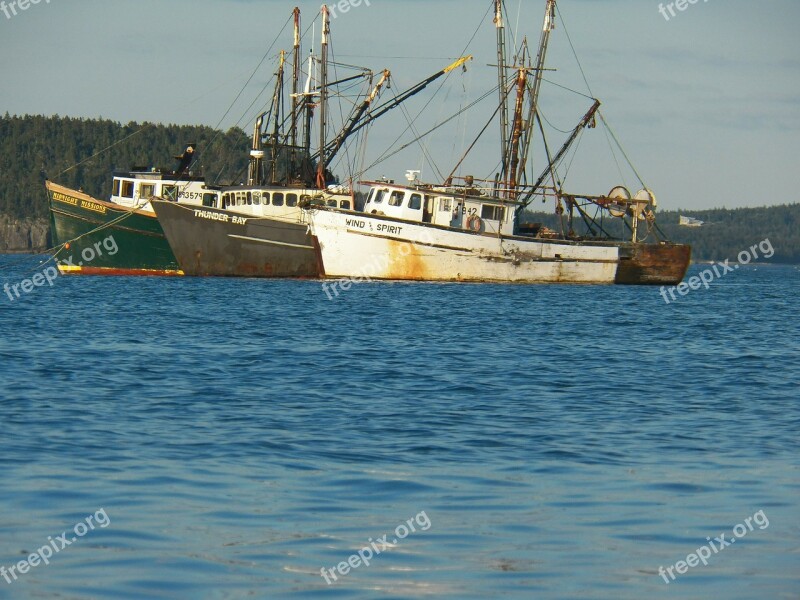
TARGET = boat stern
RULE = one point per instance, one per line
(653, 264)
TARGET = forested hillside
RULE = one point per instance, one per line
(725, 232)
(32, 146)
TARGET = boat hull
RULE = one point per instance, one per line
(105, 238)
(216, 242)
(355, 245)
(653, 264)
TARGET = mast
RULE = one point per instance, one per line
(323, 97)
(501, 78)
(309, 105)
(276, 114)
(295, 77)
(522, 84)
(547, 28)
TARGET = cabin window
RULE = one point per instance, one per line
(169, 192)
(415, 202)
(331, 203)
(291, 199)
(396, 199)
(127, 189)
(371, 196)
(345, 204)
(277, 199)
(115, 191)
(445, 204)
(493, 213)
(147, 190)
(224, 200)
(239, 198)
(379, 196)
(249, 198)
(257, 198)
(210, 200)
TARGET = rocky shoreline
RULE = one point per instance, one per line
(18, 236)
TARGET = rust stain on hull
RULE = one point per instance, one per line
(665, 264)
(405, 263)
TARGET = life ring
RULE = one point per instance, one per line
(474, 223)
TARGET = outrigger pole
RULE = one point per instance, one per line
(335, 146)
(585, 121)
(547, 28)
(387, 106)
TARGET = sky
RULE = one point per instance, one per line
(706, 104)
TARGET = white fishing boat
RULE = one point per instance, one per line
(466, 229)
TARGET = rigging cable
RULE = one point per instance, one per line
(588, 87)
(244, 87)
(106, 149)
(621, 149)
(385, 156)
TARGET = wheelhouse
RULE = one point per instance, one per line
(135, 188)
(456, 207)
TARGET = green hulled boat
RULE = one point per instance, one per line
(121, 236)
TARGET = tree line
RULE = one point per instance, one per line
(724, 233)
(83, 153)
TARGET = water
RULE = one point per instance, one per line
(543, 441)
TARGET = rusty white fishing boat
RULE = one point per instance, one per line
(467, 229)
